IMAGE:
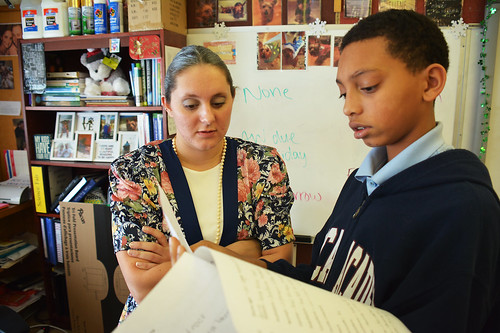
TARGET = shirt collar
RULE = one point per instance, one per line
(374, 165)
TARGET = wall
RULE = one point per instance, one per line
(7, 137)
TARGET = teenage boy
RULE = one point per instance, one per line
(416, 229)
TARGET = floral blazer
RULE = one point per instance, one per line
(256, 191)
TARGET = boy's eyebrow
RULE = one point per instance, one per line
(357, 73)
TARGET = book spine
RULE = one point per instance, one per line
(149, 91)
(138, 84)
(72, 193)
(58, 240)
(158, 81)
(44, 237)
(59, 98)
(144, 87)
(51, 90)
(85, 189)
(153, 82)
(64, 193)
(155, 127)
(40, 188)
(51, 240)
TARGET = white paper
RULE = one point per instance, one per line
(230, 295)
(173, 224)
(187, 299)
(10, 108)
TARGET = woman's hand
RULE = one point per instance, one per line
(176, 251)
(151, 253)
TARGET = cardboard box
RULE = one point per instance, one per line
(96, 288)
(157, 14)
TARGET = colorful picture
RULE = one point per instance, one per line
(87, 121)
(205, 13)
(62, 150)
(107, 125)
(336, 50)
(128, 141)
(128, 122)
(84, 146)
(10, 34)
(303, 11)
(357, 8)
(232, 11)
(6, 75)
(319, 51)
(294, 50)
(269, 50)
(266, 12)
(64, 125)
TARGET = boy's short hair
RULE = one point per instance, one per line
(413, 38)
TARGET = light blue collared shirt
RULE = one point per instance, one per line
(376, 170)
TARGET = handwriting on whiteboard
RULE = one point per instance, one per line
(286, 144)
(262, 94)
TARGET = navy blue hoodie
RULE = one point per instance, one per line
(425, 246)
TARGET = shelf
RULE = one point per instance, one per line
(102, 40)
(97, 108)
(73, 164)
(13, 209)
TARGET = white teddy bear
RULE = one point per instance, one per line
(103, 79)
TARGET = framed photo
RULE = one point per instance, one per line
(107, 125)
(128, 122)
(205, 13)
(65, 123)
(84, 146)
(233, 11)
(303, 11)
(127, 142)
(106, 151)
(87, 122)
(267, 12)
(62, 150)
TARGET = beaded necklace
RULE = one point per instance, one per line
(219, 199)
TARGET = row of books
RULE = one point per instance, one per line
(53, 184)
(63, 89)
(145, 81)
(52, 240)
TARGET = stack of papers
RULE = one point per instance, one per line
(12, 252)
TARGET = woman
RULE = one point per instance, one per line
(225, 190)
(7, 46)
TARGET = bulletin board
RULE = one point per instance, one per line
(300, 113)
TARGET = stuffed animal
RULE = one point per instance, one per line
(103, 79)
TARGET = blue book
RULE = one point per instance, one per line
(91, 183)
(50, 235)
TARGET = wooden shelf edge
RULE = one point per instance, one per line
(73, 164)
(96, 108)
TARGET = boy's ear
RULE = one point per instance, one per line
(435, 76)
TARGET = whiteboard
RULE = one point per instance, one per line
(300, 113)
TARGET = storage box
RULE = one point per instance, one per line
(96, 288)
(156, 14)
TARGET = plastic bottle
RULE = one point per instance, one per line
(74, 17)
(115, 16)
(100, 17)
(31, 18)
(55, 18)
(88, 17)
